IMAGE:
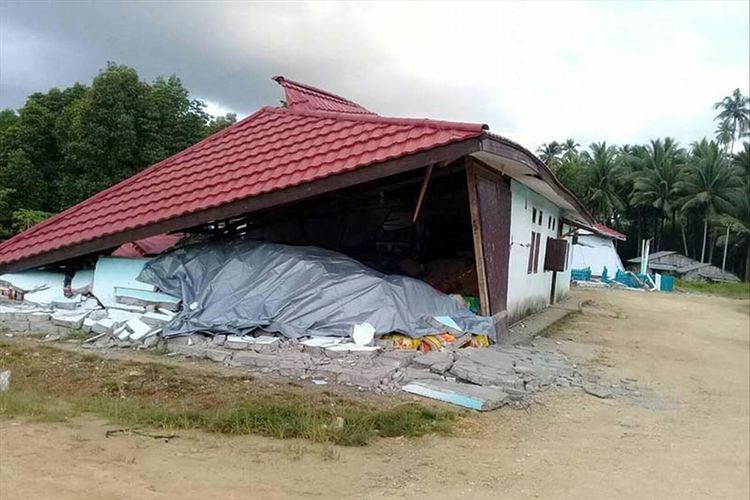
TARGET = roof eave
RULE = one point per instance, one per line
(501, 146)
(439, 154)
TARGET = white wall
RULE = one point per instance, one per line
(528, 293)
(596, 252)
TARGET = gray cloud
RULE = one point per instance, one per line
(532, 71)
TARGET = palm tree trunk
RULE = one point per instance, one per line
(640, 221)
(684, 240)
(726, 247)
(705, 234)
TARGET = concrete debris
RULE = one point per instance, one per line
(82, 282)
(145, 298)
(112, 272)
(597, 390)
(435, 361)
(455, 369)
(466, 395)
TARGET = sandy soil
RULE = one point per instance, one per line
(687, 436)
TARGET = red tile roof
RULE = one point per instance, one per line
(301, 97)
(317, 136)
(153, 245)
(606, 231)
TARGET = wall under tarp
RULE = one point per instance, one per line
(596, 252)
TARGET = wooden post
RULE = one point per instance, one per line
(422, 193)
(476, 230)
(726, 246)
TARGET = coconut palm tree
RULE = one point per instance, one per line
(735, 109)
(725, 135)
(569, 148)
(550, 153)
(603, 177)
(660, 165)
(710, 183)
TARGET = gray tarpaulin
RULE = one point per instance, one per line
(233, 287)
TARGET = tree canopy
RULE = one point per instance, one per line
(687, 199)
(65, 145)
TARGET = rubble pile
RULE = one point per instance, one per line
(448, 356)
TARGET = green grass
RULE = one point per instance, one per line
(730, 290)
(53, 385)
(77, 335)
(292, 419)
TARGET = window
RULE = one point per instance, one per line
(541, 217)
(533, 216)
(536, 252)
(532, 246)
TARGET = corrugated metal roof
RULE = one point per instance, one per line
(652, 257)
(273, 149)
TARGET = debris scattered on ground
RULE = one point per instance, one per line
(165, 437)
(467, 395)
(443, 356)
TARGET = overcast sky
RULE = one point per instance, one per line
(534, 71)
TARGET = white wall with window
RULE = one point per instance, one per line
(534, 219)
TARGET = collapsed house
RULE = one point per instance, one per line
(675, 264)
(401, 195)
(597, 250)
(336, 217)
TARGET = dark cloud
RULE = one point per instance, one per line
(534, 71)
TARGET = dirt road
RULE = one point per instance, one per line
(687, 436)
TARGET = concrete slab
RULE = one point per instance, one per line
(465, 395)
(111, 272)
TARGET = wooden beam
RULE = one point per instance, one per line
(422, 193)
(476, 231)
(274, 199)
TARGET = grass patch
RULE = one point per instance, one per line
(53, 385)
(730, 290)
(77, 335)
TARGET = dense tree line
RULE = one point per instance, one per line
(63, 146)
(694, 199)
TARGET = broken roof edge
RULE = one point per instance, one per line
(449, 151)
(544, 172)
(291, 85)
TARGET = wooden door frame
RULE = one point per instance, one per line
(474, 170)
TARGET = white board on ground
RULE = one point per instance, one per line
(111, 272)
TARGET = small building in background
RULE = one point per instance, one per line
(675, 264)
(596, 250)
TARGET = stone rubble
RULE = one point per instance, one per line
(517, 372)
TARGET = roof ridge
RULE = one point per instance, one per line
(365, 118)
(301, 95)
(303, 86)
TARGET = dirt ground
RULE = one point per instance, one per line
(686, 436)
